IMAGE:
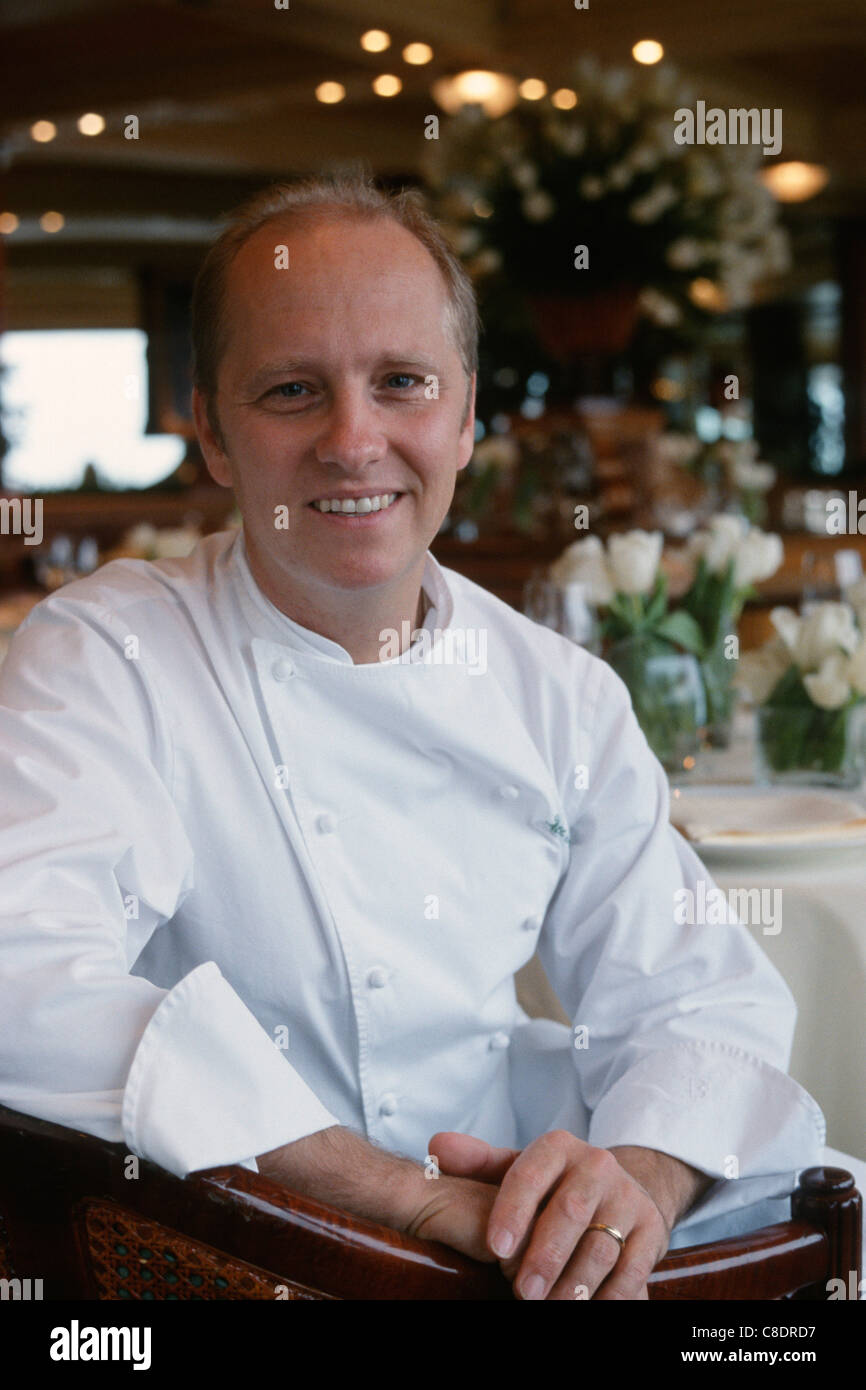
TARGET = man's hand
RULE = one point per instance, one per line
(549, 1194)
(339, 1167)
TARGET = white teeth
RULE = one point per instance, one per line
(357, 505)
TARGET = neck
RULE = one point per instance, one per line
(352, 619)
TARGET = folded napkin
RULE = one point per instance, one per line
(770, 818)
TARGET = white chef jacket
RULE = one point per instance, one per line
(250, 890)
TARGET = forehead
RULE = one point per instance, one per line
(346, 278)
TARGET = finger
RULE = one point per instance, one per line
(524, 1190)
(466, 1156)
(628, 1279)
(566, 1252)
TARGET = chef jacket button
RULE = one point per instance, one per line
(532, 924)
(282, 670)
(509, 792)
(388, 1104)
(377, 977)
(498, 1041)
(325, 824)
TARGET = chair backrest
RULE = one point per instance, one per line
(82, 1218)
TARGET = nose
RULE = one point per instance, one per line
(351, 436)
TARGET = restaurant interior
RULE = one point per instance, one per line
(670, 438)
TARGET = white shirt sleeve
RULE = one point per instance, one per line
(93, 858)
(688, 1027)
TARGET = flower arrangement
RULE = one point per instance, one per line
(809, 683)
(626, 581)
(690, 228)
(729, 468)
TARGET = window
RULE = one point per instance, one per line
(76, 397)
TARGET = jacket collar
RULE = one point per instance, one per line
(266, 620)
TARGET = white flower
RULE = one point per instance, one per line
(829, 628)
(855, 594)
(720, 542)
(857, 669)
(758, 555)
(500, 450)
(538, 206)
(176, 542)
(634, 559)
(653, 204)
(590, 186)
(619, 176)
(659, 307)
(828, 687)
(759, 672)
(752, 477)
(787, 624)
(643, 158)
(584, 562)
(677, 448)
(524, 175)
(684, 254)
(571, 139)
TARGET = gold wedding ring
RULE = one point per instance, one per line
(611, 1231)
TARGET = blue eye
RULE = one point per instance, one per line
(286, 386)
(402, 376)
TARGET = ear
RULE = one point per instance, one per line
(211, 447)
(467, 430)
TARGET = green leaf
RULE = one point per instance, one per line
(681, 627)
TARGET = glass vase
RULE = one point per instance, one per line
(810, 747)
(717, 673)
(668, 696)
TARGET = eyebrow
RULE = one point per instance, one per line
(291, 365)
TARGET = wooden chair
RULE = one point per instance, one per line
(91, 1222)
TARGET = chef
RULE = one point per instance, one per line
(266, 879)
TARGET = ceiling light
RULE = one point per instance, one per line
(91, 123)
(330, 92)
(647, 51)
(417, 53)
(52, 221)
(708, 295)
(43, 131)
(375, 41)
(387, 85)
(793, 181)
(8, 223)
(533, 89)
(565, 99)
(493, 91)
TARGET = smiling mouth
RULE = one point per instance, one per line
(357, 506)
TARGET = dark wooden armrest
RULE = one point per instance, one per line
(328, 1249)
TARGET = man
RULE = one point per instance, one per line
(274, 851)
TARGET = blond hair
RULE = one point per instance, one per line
(349, 193)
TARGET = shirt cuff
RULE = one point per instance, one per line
(208, 1087)
(716, 1107)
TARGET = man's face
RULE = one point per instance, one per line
(321, 396)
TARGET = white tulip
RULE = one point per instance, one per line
(758, 555)
(524, 174)
(538, 206)
(827, 629)
(857, 669)
(634, 559)
(584, 563)
(720, 542)
(855, 594)
(828, 687)
(759, 672)
(787, 624)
